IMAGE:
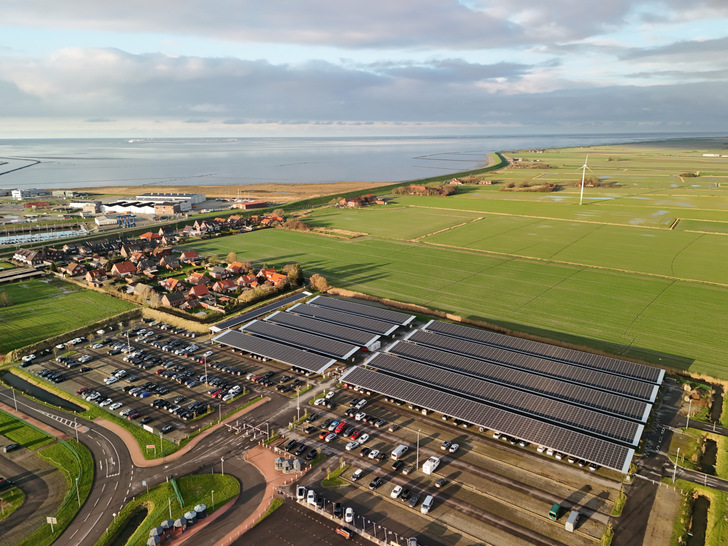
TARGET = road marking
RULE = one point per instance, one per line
(103, 487)
(97, 501)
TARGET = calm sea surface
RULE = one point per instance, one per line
(88, 163)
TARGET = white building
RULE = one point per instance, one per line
(21, 194)
(185, 200)
(130, 207)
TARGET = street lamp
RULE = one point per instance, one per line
(222, 466)
(213, 500)
(78, 494)
(690, 406)
(417, 465)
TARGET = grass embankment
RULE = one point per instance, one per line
(717, 527)
(272, 508)
(21, 433)
(10, 500)
(38, 304)
(195, 489)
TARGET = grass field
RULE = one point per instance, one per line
(49, 307)
(627, 314)
(20, 433)
(11, 499)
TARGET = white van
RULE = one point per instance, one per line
(300, 492)
(427, 505)
(399, 452)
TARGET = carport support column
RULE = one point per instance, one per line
(418, 449)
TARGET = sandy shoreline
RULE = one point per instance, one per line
(274, 193)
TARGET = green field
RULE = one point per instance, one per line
(611, 274)
(18, 432)
(45, 308)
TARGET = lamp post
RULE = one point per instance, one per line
(78, 493)
(674, 469)
(690, 407)
(75, 425)
(213, 500)
(418, 449)
(15, 400)
(222, 466)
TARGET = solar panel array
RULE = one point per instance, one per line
(401, 319)
(275, 351)
(534, 405)
(333, 316)
(304, 340)
(599, 362)
(567, 372)
(255, 313)
(579, 445)
(580, 395)
(313, 326)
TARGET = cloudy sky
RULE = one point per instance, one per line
(381, 67)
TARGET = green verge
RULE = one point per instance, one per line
(619, 504)
(272, 508)
(21, 433)
(272, 439)
(333, 480)
(73, 460)
(717, 527)
(10, 501)
(195, 489)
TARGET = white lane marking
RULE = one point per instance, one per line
(91, 528)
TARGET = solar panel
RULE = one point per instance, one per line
(606, 402)
(275, 351)
(568, 372)
(562, 354)
(255, 313)
(533, 405)
(577, 444)
(326, 329)
(304, 340)
(401, 319)
(333, 316)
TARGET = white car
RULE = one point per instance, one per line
(110, 380)
(206, 354)
(396, 492)
(228, 397)
(363, 438)
(454, 448)
(319, 401)
(352, 445)
(93, 396)
(541, 449)
(311, 497)
(105, 402)
(349, 515)
(97, 345)
(330, 395)
(359, 416)
(28, 358)
(115, 406)
(373, 453)
(330, 437)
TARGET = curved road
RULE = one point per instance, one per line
(117, 479)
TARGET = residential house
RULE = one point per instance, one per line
(151, 237)
(220, 273)
(136, 257)
(73, 269)
(147, 267)
(235, 267)
(129, 248)
(171, 285)
(28, 257)
(224, 286)
(123, 269)
(189, 257)
(173, 299)
(247, 281)
(161, 251)
(96, 276)
(198, 291)
(277, 278)
(170, 262)
(197, 278)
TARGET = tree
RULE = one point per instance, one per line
(247, 266)
(319, 283)
(5, 300)
(279, 212)
(294, 273)
(231, 257)
(213, 260)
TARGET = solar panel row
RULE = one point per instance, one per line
(579, 445)
(333, 331)
(401, 319)
(534, 405)
(562, 354)
(304, 340)
(255, 313)
(567, 372)
(275, 351)
(554, 388)
(333, 316)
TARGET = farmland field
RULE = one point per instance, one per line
(45, 308)
(624, 273)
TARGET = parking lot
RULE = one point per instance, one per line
(158, 377)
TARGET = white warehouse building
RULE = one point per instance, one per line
(130, 207)
(185, 200)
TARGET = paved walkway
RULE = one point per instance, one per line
(136, 452)
(263, 459)
(200, 525)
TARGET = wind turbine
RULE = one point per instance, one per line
(584, 168)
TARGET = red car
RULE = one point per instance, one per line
(160, 371)
(355, 434)
(340, 427)
(134, 415)
(82, 390)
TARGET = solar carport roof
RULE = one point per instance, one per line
(333, 316)
(544, 350)
(401, 319)
(326, 329)
(304, 340)
(577, 444)
(560, 370)
(275, 351)
(533, 405)
(257, 312)
(596, 399)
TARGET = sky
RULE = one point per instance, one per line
(237, 68)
